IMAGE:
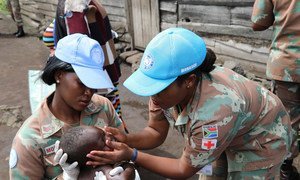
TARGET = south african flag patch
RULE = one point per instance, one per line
(210, 131)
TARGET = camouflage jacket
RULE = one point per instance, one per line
(284, 59)
(232, 114)
(32, 150)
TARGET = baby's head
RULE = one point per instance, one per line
(78, 141)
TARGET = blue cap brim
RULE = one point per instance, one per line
(93, 78)
(143, 85)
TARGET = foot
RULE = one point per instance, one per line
(289, 173)
(15, 33)
(20, 34)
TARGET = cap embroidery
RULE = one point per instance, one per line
(96, 55)
(188, 68)
(148, 62)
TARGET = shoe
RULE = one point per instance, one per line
(20, 32)
(15, 33)
(288, 172)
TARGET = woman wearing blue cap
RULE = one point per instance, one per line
(77, 71)
(217, 111)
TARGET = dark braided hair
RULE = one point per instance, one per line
(206, 67)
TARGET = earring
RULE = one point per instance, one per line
(57, 81)
(187, 86)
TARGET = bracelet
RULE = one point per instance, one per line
(134, 155)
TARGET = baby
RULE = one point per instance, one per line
(78, 141)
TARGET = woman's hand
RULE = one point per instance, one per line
(121, 152)
(116, 133)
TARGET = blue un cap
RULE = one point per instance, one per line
(171, 53)
(87, 59)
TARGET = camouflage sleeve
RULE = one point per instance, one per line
(25, 160)
(208, 139)
(115, 121)
(262, 13)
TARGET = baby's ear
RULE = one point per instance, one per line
(109, 137)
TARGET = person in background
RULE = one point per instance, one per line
(89, 17)
(48, 37)
(76, 69)
(216, 110)
(283, 65)
(15, 11)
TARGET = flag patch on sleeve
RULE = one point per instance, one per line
(210, 131)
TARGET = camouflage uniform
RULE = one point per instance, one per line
(14, 7)
(232, 114)
(284, 61)
(33, 146)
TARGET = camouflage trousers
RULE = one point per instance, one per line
(220, 172)
(289, 94)
(15, 10)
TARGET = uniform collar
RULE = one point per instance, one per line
(189, 111)
(51, 125)
(93, 107)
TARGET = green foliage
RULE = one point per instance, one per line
(3, 8)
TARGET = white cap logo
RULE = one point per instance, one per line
(96, 55)
(148, 62)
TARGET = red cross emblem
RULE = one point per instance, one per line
(209, 144)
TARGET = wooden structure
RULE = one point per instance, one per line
(145, 18)
(225, 24)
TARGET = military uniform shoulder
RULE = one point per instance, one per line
(97, 104)
(31, 125)
(99, 100)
